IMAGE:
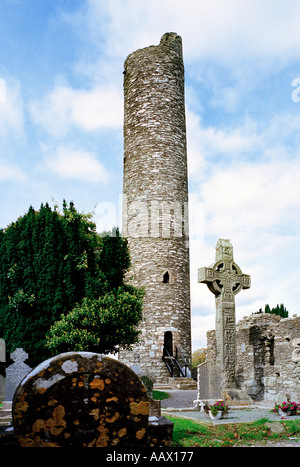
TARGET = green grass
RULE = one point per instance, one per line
(293, 427)
(192, 433)
(160, 395)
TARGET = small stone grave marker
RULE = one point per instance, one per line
(2, 350)
(16, 372)
(2, 388)
(209, 381)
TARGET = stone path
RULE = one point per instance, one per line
(5, 414)
(181, 403)
(179, 399)
(235, 415)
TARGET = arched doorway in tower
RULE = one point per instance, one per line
(168, 344)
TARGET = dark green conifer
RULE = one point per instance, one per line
(49, 263)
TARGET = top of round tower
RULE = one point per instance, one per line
(169, 41)
(170, 38)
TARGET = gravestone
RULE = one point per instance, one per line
(145, 377)
(82, 399)
(209, 381)
(2, 360)
(148, 382)
(2, 350)
(15, 372)
(225, 279)
(2, 388)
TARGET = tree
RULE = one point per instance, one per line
(106, 324)
(198, 357)
(267, 308)
(51, 261)
(114, 259)
(279, 310)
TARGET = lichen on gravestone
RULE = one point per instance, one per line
(81, 399)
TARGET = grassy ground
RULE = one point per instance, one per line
(191, 433)
(160, 395)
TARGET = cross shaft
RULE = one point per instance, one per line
(225, 279)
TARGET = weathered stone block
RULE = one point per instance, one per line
(236, 397)
(209, 381)
(2, 350)
(276, 427)
(160, 432)
(80, 400)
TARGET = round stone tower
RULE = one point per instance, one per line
(155, 204)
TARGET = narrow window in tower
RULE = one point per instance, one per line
(160, 223)
(166, 278)
(149, 221)
(172, 222)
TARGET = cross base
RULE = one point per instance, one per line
(235, 397)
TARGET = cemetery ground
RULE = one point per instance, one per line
(189, 432)
(268, 431)
(193, 433)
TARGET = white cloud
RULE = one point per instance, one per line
(11, 129)
(69, 163)
(207, 145)
(2, 90)
(218, 29)
(88, 110)
(252, 197)
(11, 108)
(200, 325)
(226, 141)
(246, 175)
(106, 216)
(11, 172)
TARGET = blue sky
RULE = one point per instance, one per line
(61, 117)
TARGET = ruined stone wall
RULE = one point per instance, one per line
(155, 198)
(268, 356)
(211, 354)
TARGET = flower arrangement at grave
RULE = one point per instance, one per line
(287, 408)
(219, 406)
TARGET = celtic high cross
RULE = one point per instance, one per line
(225, 279)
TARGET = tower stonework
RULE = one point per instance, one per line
(155, 202)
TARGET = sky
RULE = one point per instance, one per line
(61, 126)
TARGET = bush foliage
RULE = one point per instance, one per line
(54, 263)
